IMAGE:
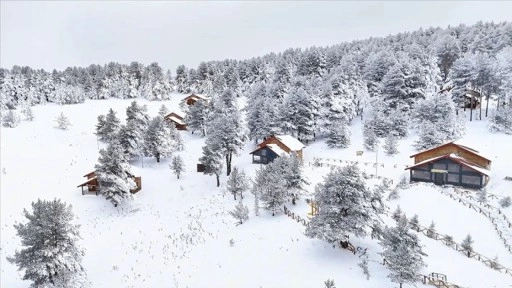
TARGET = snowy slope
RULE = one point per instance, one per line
(177, 232)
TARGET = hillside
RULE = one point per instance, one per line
(178, 233)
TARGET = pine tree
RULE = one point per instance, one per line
(177, 165)
(198, 116)
(467, 245)
(10, 119)
(501, 120)
(505, 202)
(237, 182)
(329, 283)
(271, 190)
(345, 205)
(51, 256)
(138, 114)
(431, 230)
(429, 137)
(212, 161)
(370, 140)
(29, 114)
(109, 128)
(99, 126)
(397, 214)
(414, 222)
(241, 212)
(402, 252)
(163, 111)
(129, 138)
(390, 145)
(338, 135)
(158, 141)
(62, 121)
(115, 180)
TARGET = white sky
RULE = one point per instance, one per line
(78, 33)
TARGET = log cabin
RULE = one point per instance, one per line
(177, 119)
(276, 146)
(451, 163)
(92, 184)
(193, 98)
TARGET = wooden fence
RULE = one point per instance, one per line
(485, 209)
(324, 162)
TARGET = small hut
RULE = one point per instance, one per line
(193, 98)
(177, 119)
(92, 184)
(276, 146)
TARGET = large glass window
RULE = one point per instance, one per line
(421, 174)
(439, 166)
(453, 168)
(472, 180)
(453, 178)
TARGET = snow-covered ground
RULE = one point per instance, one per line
(178, 233)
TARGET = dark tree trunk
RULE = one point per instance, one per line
(470, 110)
(234, 195)
(158, 158)
(228, 163)
(218, 180)
(487, 107)
(480, 107)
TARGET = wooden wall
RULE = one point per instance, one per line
(452, 148)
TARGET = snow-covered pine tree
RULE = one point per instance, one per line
(397, 214)
(448, 51)
(113, 173)
(505, 202)
(429, 137)
(51, 256)
(29, 114)
(403, 253)
(158, 141)
(467, 245)
(500, 119)
(138, 114)
(177, 165)
(226, 128)
(198, 116)
(163, 111)
(129, 138)
(271, 189)
(10, 119)
(298, 114)
(414, 222)
(431, 230)
(370, 140)
(62, 121)
(338, 135)
(212, 161)
(241, 212)
(110, 127)
(390, 145)
(237, 182)
(345, 205)
(290, 169)
(99, 127)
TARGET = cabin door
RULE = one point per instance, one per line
(439, 178)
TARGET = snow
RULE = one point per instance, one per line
(176, 120)
(177, 232)
(290, 142)
(276, 149)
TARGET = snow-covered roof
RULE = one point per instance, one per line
(176, 120)
(276, 149)
(200, 96)
(290, 142)
(471, 150)
(457, 159)
(179, 114)
(87, 182)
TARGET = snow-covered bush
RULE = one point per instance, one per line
(62, 121)
(505, 202)
(11, 119)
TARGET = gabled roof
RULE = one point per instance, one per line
(178, 115)
(273, 147)
(456, 159)
(290, 142)
(87, 182)
(194, 95)
(175, 119)
(466, 148)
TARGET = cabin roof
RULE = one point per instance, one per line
(87, 182)
(194, 95)
(290, 142)
(177, 114)
(456, 159)
(276, 149)
(175, 120)
(470, 150)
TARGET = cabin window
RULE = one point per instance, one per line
(471, 180)
(422, 167)
(453, 178)
(453, 168)
(439, 166)
(263, 152)
(421, 174)
(465, 168)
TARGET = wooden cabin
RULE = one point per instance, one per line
(177, 119)
(453, 164)
(92, 184)
(472, 99)
(193, 98)
(276, 146)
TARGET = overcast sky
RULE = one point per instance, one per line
(59, 34)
